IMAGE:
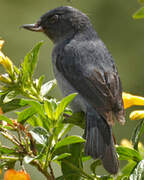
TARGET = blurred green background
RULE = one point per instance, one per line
(112, 20)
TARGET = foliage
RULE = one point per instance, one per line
(139, 14)
(39, 133)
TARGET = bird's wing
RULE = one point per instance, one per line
(91, 71)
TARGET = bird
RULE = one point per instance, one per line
(82, 64)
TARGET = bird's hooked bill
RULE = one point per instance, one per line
(33, 27)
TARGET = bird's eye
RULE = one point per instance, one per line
(54, 19)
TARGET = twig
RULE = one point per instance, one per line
(51, 172)
(13, 139)
(40, 168)
(9, 158)
(19, 135)
(78, 169)
(10, 137)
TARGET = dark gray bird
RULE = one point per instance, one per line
(82, 64)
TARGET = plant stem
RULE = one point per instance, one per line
(10, 137)
(19, 135)
(78, 169)
(48, 155)
(9, 158)
(46, 161)
(51, 172)
(40, 168)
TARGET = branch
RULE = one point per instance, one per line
(39, 167)
(51, 172)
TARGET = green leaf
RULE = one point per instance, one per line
(60, 178)
(34, 57)
(10, 96)
(94, 165)
(72, 165)
(40, 135)
(10, 164)
(126, 153)
(48, 86)
(6, 150)
(3, 164)
(70, 171)
(139, 14)
(12, 105)
(49, 108)
(105, 177)
(129, 168)
(28, 159)
(63, 104)
(126, 171)
(138, 172)
(6, 119)
(69, 140)
(77, 119)
(17, 71)
(122, 177)
(63, 130)
(36, 105)
(40, 82)
(30, 62)
(61, 156)
(35, 121)
(138, 131)
(25, 114)
(85, 158)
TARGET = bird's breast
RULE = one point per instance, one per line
(78, 104)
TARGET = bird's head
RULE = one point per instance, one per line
(62, 22)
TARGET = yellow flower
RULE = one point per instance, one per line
(12, 174)
(126, 143)
(135, 115)
(140, 146)
(1, 43)
(132, 100)
(5, 61)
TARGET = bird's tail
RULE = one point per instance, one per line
(99, 141)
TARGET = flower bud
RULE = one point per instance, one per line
(12, 174)
(4, 78)
(1, 43)
(126, 143)
(135, 115)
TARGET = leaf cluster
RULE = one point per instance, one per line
(39, 134)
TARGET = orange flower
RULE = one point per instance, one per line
(132, 100)
(0, 171)
(12, 174)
